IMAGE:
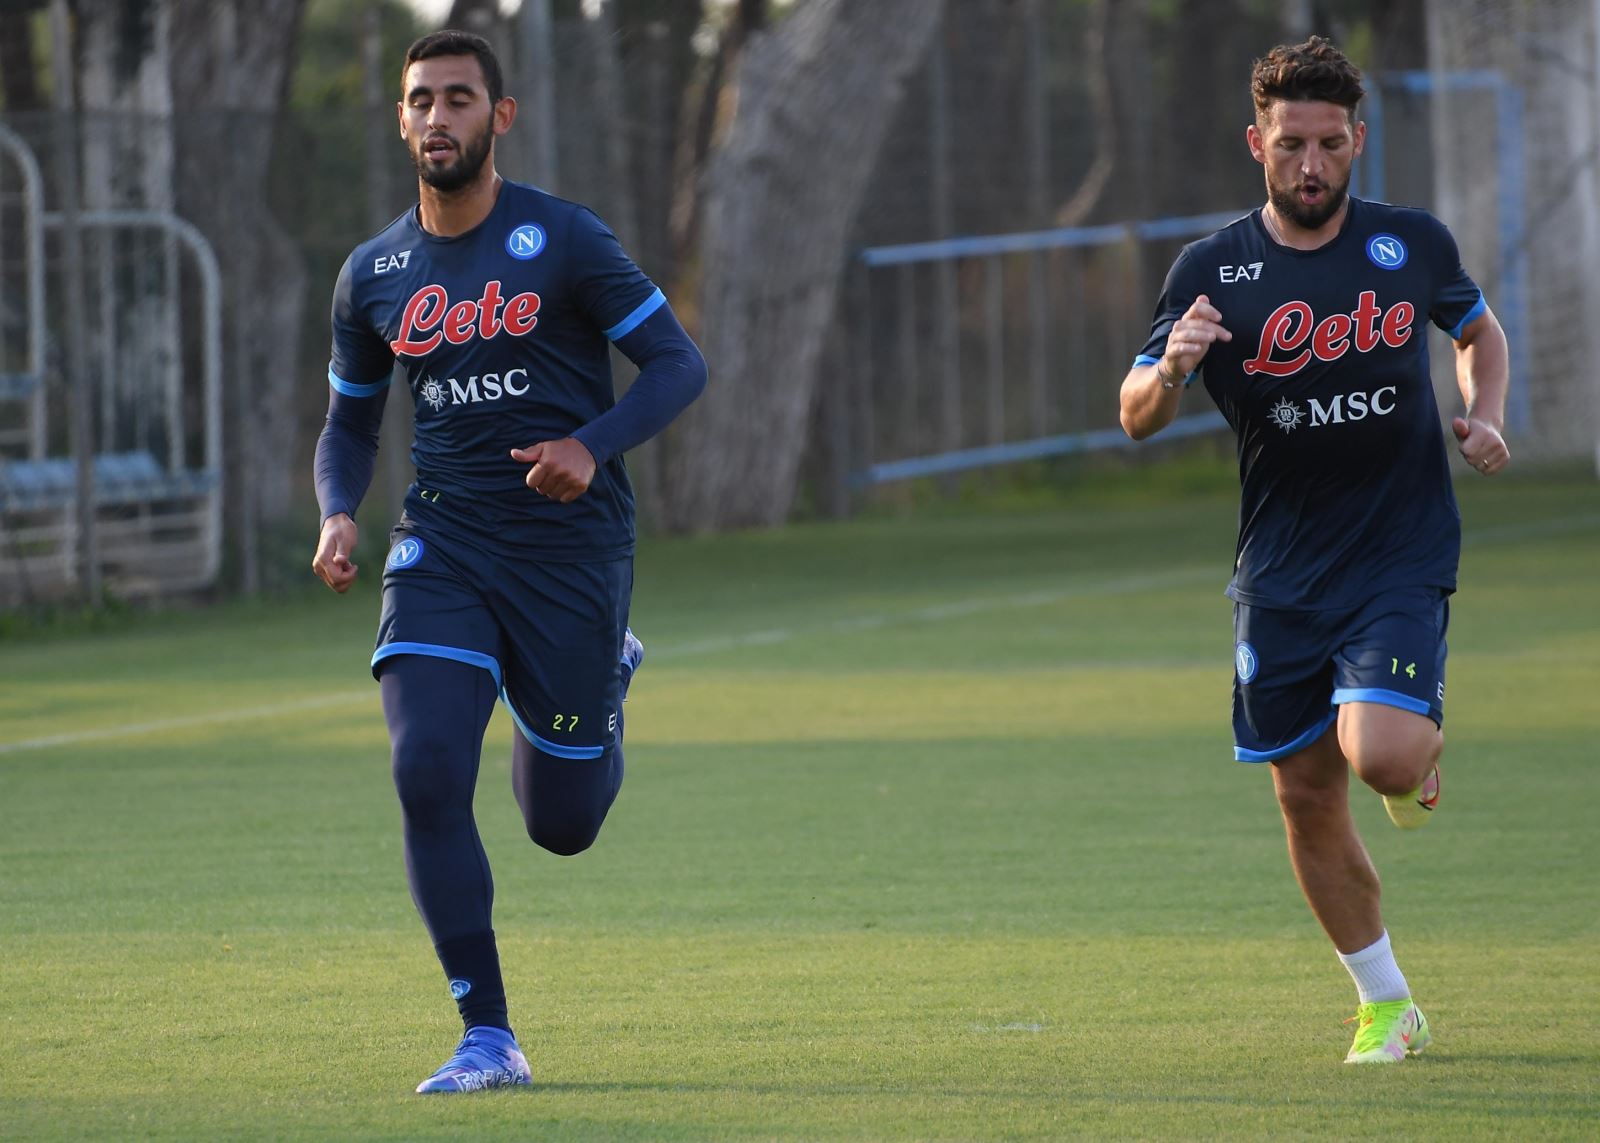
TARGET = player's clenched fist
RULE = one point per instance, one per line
(1191, 336)
(332, 561)
(561, 469)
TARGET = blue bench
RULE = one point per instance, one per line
(16, 386)
(119, 479)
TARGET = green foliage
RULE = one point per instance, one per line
(930, 831)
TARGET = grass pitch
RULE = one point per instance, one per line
(931, 830)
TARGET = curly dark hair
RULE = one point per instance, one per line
(1314, 70)
(452, 42)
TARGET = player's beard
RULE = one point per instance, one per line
(1286, 201)
(469, 160)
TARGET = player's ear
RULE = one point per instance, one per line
(1361, 135)
(1257, 144)
(400, 114)
(505, 112)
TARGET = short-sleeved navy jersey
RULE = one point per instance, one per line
(503, 333)
(1345, 482)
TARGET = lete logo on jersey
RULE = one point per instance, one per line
(430, 318)
(1292, 324)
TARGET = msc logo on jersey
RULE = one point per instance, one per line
(404, 554)
(1345, 407)
(1245, 662)
(1292, 324)
(526, 241)
(430, 317)
(1386, 251)
(450, 391)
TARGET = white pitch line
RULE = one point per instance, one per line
(939, 612)
(933, 613)
(183, 723)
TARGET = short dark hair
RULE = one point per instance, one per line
(454, 42)
(1313, 71)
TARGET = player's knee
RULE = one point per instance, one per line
(569, 804)
(1397, 765)
(563, 838)
(426, 777)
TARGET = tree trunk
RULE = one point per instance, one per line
(816, 94)
(123, 76)
(233, 59)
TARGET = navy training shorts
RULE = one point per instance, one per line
(549, 633)
(1292, 669)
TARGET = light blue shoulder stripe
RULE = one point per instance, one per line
(352, 389)
(1473, 315)
(643, 310)
(1146, 359)
(439, 651)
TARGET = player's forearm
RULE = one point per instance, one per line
(347, 451)
(1483, 371)
(672, 373)
(1148, 404)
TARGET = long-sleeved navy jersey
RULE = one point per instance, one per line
(1345, 481)
(503, 334)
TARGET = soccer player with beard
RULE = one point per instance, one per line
(1303, 319)
(511, 568)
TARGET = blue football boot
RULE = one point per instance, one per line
(485, 1058)
(632, 656)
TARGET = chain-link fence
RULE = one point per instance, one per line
(964, 347)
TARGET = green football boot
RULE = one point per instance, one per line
(1387, 1032)
(1411, 811)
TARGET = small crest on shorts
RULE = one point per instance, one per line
(1245, 662)
(404, 554)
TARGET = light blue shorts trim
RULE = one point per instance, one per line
(1240, 754)
(438, 651)
(1382, 698)
(575, 753)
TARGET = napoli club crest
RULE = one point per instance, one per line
(1245, 662)
(405, 554)
(1386, 251)
(526, 241)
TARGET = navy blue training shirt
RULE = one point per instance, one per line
(503, 334)
(1345, 481)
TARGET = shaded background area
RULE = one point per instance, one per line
(747, 153)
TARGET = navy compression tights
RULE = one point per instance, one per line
(437, 710)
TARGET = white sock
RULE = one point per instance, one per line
(1376, 975)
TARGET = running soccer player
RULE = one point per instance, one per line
(1304, 319)
(511, 569)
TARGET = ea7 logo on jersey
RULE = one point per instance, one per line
(383, 263)
(429, 312)
(1251, 273)
(1290, 326)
